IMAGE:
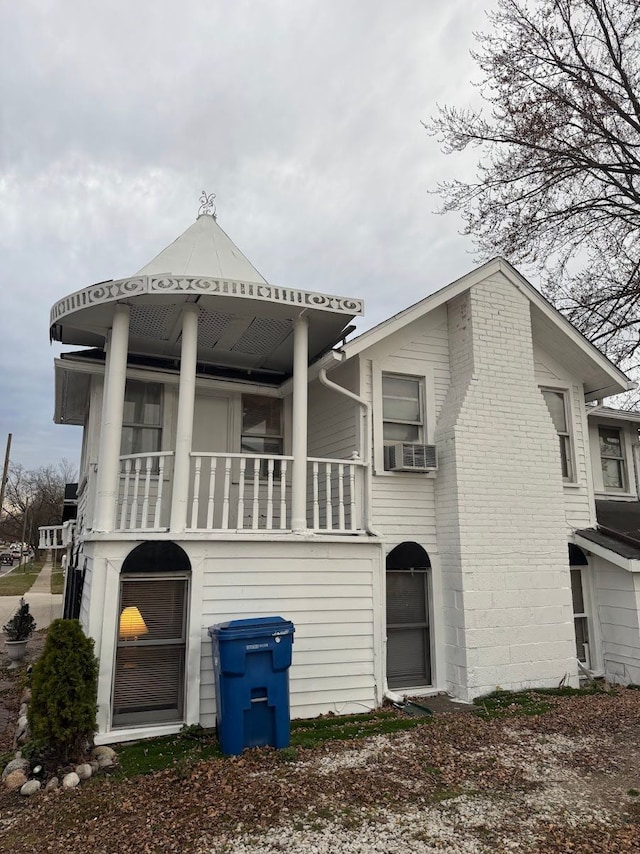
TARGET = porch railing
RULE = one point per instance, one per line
(142, 504)
(56, 536)
(240, 492)
(253, 492)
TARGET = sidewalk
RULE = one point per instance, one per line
(43, 605)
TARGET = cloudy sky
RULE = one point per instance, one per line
(303, 116)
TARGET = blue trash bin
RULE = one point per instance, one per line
(251, 660)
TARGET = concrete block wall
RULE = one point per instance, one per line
(618, 598)
(499, 505)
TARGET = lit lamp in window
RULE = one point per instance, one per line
(131, 624)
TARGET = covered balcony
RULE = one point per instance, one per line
(201, 315)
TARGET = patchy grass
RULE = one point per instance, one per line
(309, 733)
(57, 580)
(21, 579)
(187, 748)
(532, 702)
(180, 751)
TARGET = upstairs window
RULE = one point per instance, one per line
(558, 409)
(612, 457)
(142, 418)
(402, 409)
(262, 431)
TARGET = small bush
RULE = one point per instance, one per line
(64, 685)
(22, 625)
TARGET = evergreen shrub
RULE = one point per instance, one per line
(64, 687)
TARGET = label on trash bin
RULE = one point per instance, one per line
(257, 646)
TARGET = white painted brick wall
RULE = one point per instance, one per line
(499, 505)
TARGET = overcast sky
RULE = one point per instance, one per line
(303, 116)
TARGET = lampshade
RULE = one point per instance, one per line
(131, 623)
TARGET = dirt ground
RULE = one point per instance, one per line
(567, 780)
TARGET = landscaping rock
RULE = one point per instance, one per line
(70, 780)
(95, 766)
(22, 722)
(106, 762)
(15, 780)
(26, 696)
(23, 710)
(84, 771)
(17, 764)
(103, 752)
(30, 788)
(52, 784)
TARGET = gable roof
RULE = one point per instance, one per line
(600, 376)
(204, 249)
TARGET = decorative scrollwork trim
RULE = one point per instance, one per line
(106, 292)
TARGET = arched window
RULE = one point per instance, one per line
(408, 633)
(149, 681)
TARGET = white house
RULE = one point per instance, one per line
(420, 501)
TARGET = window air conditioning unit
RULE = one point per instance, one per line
(405, 456)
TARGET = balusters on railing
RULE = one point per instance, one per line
(341, 496)
(225, 498)
(243, 466)
(352, 497)
(255, 509)
(270, 469)
(141, 491)
(283, 494)
(328, 503)
(196, 491)
(134, 501)
(212, 487)
(316, 501)
(156, 516)
(125, 495)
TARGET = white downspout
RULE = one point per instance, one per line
(397, 699)
(366, 456)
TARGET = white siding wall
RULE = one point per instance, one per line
(618, 598)
(500, 505)
(329, 592)
(404, 503)
(578, 496)
(334, 420)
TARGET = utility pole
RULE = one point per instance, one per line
(5, 472)
(24, 529)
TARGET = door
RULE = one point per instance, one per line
(408, 630)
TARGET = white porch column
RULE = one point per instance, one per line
(299, 443)
(184, 427)
(111, 430)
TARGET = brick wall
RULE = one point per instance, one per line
(499, 505)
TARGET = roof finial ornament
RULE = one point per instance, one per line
(207, 207)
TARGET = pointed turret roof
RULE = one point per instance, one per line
(203, 250)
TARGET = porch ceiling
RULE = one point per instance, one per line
(242, 325)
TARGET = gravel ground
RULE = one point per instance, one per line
(567, 780)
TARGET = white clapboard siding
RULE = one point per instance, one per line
(86, 593)
(617, 599)
(326, 590)
(403, 505)
(333, 418)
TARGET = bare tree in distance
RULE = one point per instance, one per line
(558, 182)
(37, 492)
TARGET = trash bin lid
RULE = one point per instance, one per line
(252, 627)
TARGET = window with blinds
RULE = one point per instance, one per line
(149, 680)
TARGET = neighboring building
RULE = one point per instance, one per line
(420, 501)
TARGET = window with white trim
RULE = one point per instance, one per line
(612, 457)
(149, 679)
(557, 405)
(142, 418)
(403, 410)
